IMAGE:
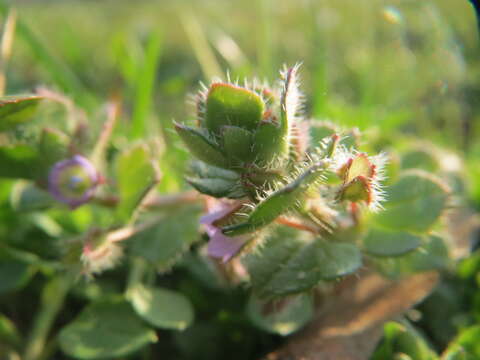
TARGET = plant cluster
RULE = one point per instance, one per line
(287, 206)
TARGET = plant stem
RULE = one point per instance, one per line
(168, 201)
(53, 296)
(138, 267)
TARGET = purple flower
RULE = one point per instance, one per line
(220, 245)
(73, 181)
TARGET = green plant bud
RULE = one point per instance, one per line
(358, 166)
(201, 146)
(357, 190)
(73, 181)
(237, 143)
(231, 105)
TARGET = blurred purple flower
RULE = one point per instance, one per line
(73, 181)
(220, 245)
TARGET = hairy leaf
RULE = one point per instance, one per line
(277, 203)
(390, 243)
(414, 203)
(163, 244)
(285, 316)
(237, 143)
(214, 181)
(201, 146)
(288, 263)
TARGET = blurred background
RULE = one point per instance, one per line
(377, 62)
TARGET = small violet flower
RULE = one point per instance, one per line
(73, 181)
(220, 245)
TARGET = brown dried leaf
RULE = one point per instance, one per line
(350, 323)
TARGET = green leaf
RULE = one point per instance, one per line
(163, 244)
(52, 147)
(214, 181)
(456, 351)
(279, 202)
(218, 188)
(161, 308)
(232, 105)
(237, 143)
(16, 110)
(390, 243)
(466, 346)
(33, 162)
(145, 85)
(403, 339)
(27, 197)
(414, 203)
(19, 161)
(424, 159)
(136, 176)
(15, 272)
(269, 143)
(201, 146)
(8, 332)
(105, 329)
(289, 262)
(206, 171)
(286, 316)
(432, 255)
(203, 269)
(412, 343)
(320, 130)
(202, 341)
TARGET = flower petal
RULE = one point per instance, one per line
(224, 247)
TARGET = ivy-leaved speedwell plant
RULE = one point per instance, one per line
(297, 209)
(289, 205)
